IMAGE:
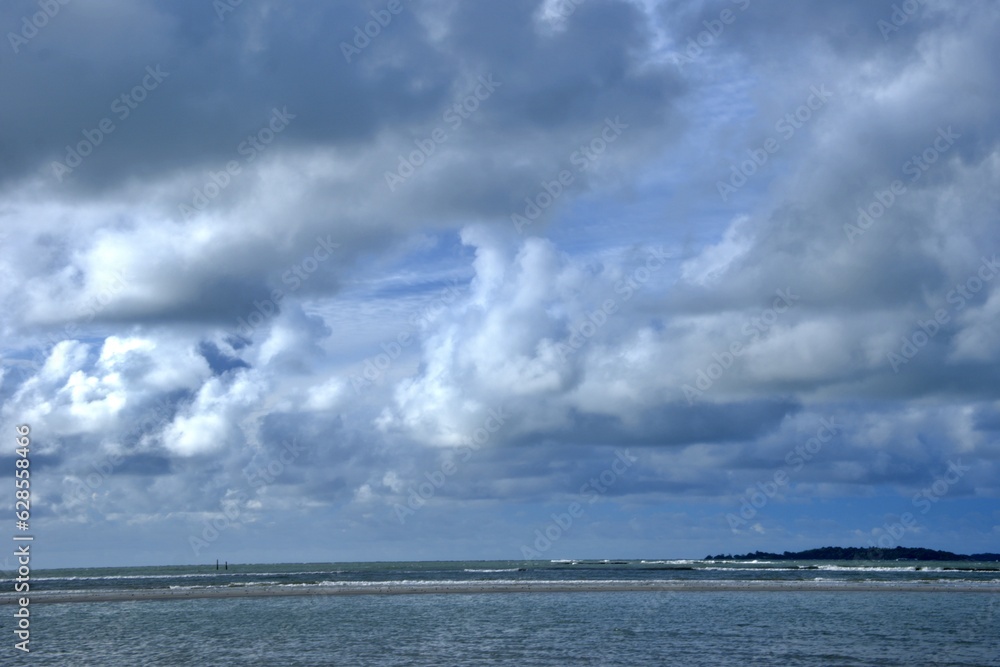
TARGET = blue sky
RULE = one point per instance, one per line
(531, 279)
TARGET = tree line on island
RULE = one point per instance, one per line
(860, 553)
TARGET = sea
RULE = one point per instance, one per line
(921, 613)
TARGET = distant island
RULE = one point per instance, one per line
(858, 553)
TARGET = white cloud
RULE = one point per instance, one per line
(209, 424)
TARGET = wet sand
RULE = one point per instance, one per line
(489, 587)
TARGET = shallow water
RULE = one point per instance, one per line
(648, 628)
(787, 627)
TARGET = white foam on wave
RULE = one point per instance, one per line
(670, 562)
(127, 576)
(188, 575)
(509, 569)
(874, 568)
(248, 584)
(755, 569)
(477, 584)
(630, 584)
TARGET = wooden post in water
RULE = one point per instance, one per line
(216, 563)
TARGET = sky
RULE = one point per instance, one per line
(530, 279)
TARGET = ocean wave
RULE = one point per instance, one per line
(751, 569)
(500, 582)
(669, 562)
(596, 585)
(875, 568)
(599, 583)
(234, 584)
(128, 576)
(509, 569)
(189, 575)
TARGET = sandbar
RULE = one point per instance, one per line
(389, 588)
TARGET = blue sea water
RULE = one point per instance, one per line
(537, 628)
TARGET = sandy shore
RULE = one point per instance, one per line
(481, 587)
